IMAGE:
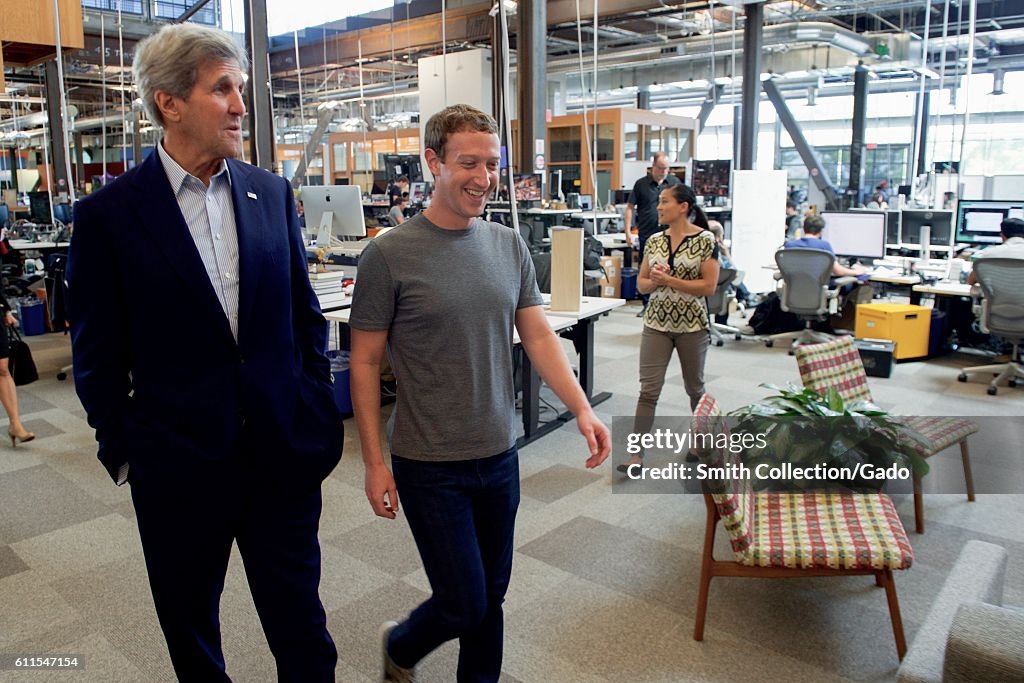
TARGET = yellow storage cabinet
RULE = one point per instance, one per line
(904, 324)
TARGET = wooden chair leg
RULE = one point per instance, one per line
(702, 603)
(878, 580)
(918, 506)
(894, 613)
(965, 455)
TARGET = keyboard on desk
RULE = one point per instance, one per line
(350, 249)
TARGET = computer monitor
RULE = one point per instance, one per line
(527, 187)
(941, 223)
(39, 207)
(417, 192)
(622, 196)
(860, 234)
(892, 228)
(979, 221)
(333, 211)
(586, 202)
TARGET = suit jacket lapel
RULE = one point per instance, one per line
(251, 234)
(162, 218)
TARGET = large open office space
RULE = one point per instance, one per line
(899, 123)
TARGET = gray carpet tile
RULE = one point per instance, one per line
(30, 608)
(29, 403)
(41, 428)
(79, 547)
(37, 500)
(10, 562)
(386, 544)
(556, 482)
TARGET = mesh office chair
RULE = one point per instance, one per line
(718, 304)
(805, 292)
(1001, 281)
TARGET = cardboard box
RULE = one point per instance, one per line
(612, 268)
(908, 326)
(610, 291)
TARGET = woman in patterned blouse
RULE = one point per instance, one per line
(679, 270)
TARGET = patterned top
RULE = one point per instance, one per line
(670, 310)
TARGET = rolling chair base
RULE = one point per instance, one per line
(800, 337)
(1007, 371)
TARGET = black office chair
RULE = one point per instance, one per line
(718, 304)
(1001, 312)
(805, 292)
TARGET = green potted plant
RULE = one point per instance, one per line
(801, 427)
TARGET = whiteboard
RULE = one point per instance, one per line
(758, 224)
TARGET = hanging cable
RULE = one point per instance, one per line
(103, 82)
(506, 115)
(919, 117)
(593, 82)
(444, 46)
(302, 111)
(63, 101)
(942, 79)
(124, 122)
(583, 86)
(967, 79)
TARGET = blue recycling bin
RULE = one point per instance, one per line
(629, 276)
(32, 314)
(342, 377)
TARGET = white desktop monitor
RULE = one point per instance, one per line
(417, 192)
(586, 202)
(980, 221)
(333, 211)
(860, 234)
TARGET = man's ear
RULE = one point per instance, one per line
(167, 105)
(433, 161)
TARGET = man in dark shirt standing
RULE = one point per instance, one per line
(644, 198)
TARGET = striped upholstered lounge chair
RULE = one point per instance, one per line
(789, 535)
(837, 363)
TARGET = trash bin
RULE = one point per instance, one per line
(340, 371)
(938, 336)
(32, 314)
(629, 283)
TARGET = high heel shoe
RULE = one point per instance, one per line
(15, 438)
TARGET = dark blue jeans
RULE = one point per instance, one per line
(462, 515)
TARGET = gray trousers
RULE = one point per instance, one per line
(655, 353)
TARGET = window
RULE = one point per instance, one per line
(884, 162)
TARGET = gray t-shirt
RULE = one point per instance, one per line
(448, 299)
(395, 215)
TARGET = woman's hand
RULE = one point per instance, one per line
(660, 274)
(10, 320)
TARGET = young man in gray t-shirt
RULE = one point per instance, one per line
(442, 296)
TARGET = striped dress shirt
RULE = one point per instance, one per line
(210, 216)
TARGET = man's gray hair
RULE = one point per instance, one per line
(659, 155)
(170, 60)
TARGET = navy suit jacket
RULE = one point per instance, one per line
(163, 382)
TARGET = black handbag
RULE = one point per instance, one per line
(20, 363)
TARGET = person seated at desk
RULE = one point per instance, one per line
(725, 259)
(397, 213)
(813, 225)
(1012, 231)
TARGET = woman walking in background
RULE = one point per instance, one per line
(8, 393)
(679, 270)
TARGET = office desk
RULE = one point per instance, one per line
(944, 289)
(331, 303)
(578, 327)
(38, 246)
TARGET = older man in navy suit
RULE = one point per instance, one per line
(199, 357)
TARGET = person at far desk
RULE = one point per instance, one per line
(792, 221)
(397, 213)
(813, 225)
(644, 199)
(397, 190)
(1012, 231)
(679, 269)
